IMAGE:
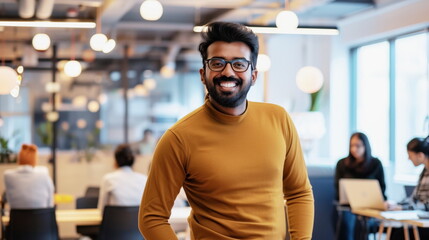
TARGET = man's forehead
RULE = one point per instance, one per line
(228, 50)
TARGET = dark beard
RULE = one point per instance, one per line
(226, 99)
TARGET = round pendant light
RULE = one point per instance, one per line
(72, 68)
(41, 42)
(151, 10)
(287, 20)
(264, 63)
(309, 79)
(8, 79)
(98, 41)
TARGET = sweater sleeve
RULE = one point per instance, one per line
(296, 187)
(165, 179)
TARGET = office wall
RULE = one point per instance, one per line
(288, 54)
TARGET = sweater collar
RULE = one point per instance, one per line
(222, 117)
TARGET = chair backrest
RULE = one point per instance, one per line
(92, 192)
(85, 230)
(120, 222)
(86, 202)
(34, 224)
(409, 190)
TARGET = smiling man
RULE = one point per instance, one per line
(236, 160)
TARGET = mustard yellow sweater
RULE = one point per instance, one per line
(236, 172)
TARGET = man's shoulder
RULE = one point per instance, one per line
(189, 119)
(266, 106)
(267, 110)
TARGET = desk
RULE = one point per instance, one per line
(378, 214)
(178, 216)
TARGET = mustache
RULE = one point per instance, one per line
(217, 80)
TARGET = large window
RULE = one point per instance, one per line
(411, 99)
(391, 98)
(372, 94)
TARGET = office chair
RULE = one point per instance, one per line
(92, 192)
(34, 224)
(91, 230)
(120, 223)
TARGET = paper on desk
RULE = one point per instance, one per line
(401, 215)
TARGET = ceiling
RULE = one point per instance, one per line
(169, 38)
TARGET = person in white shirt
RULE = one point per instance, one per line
(28, 186)
(123, 187)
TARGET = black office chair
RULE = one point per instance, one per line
(409, 189)
(92, 192)
(34, 224)
(89, 230)
(120, 223)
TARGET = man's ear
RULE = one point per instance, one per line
(254, 76)
(202, 72)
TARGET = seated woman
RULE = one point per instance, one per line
(123, 187)
(418, 153)
(28, 186)
(358, 164)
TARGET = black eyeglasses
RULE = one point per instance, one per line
(219, 64)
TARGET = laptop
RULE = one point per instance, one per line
(361, 193)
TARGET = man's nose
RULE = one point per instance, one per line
(228, 71)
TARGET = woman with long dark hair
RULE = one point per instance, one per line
(358, 164)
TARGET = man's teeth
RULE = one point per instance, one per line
(228, 84)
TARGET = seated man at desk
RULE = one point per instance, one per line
(123, 187)
(28, 186)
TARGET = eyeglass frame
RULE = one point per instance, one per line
(230, 63)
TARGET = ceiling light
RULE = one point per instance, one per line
(41, 42)
(151, 10)
(287, 20)
(52, 116)
(93, 106)
(48, 24)
(98, 41)
(99, 124)
(149, 83)
(264, 63)
(168, 70)
(140, 90)
(72, 68)
(52, 87)
(81, 123)
(8, 79)
(309, 79)
(274, 30)
(20, 69)
(79, 101)
(15, 91)
(109, 46)
(102, 98)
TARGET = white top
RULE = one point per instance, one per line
(29, 187)
(123, 187)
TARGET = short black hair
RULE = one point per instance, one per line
(229, 32)
(124, 155)
(419, 145)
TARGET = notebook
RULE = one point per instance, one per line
(361, 193)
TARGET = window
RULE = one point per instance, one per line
(391, 100)
(411, 100)
(372, 97)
